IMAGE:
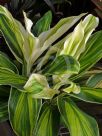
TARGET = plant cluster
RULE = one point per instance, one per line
(51, 72)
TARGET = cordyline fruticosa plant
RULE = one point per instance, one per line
(44, 91)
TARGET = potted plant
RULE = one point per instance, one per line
(40, 86)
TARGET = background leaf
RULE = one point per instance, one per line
(42, 24)
(4, 96)
(3, 110)
(50, 4)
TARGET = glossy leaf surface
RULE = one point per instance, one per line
(48, 123)
(38, 87)
(78, 122)
(63, 64)
(93, 52)
(7, 77)
(23, 112)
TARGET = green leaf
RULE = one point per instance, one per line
(78, 122)
(38, 87)
(95, 81)
(52, 51)
(11, 32)
(76, 42)
(93, 52)
(73, 42)
(47, 93)
(43, 24)
(72, 88)
(21, 42)
(91, 55)
(58, 30)
(7, 77)
(6, 63)
(23, 112)
(3, 110)
(91, 95)
(49, 37)
(63, 64)
(48, 123)
(66, 85)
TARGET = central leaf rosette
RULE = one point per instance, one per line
(62, 67)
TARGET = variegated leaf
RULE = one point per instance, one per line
(78, 122)
(72, 88)
(6, 63)
(11, 33)
(8, 77)
(63, 64)
(48, 123)
(87, 94)
(76, 43)
(38, 87)
(91, 55)
(95, 81)
(46, 39)
(23, 112)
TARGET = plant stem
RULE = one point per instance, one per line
(26, 69)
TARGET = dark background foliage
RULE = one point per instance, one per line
(60, 8)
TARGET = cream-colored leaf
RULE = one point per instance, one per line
(72, 88)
